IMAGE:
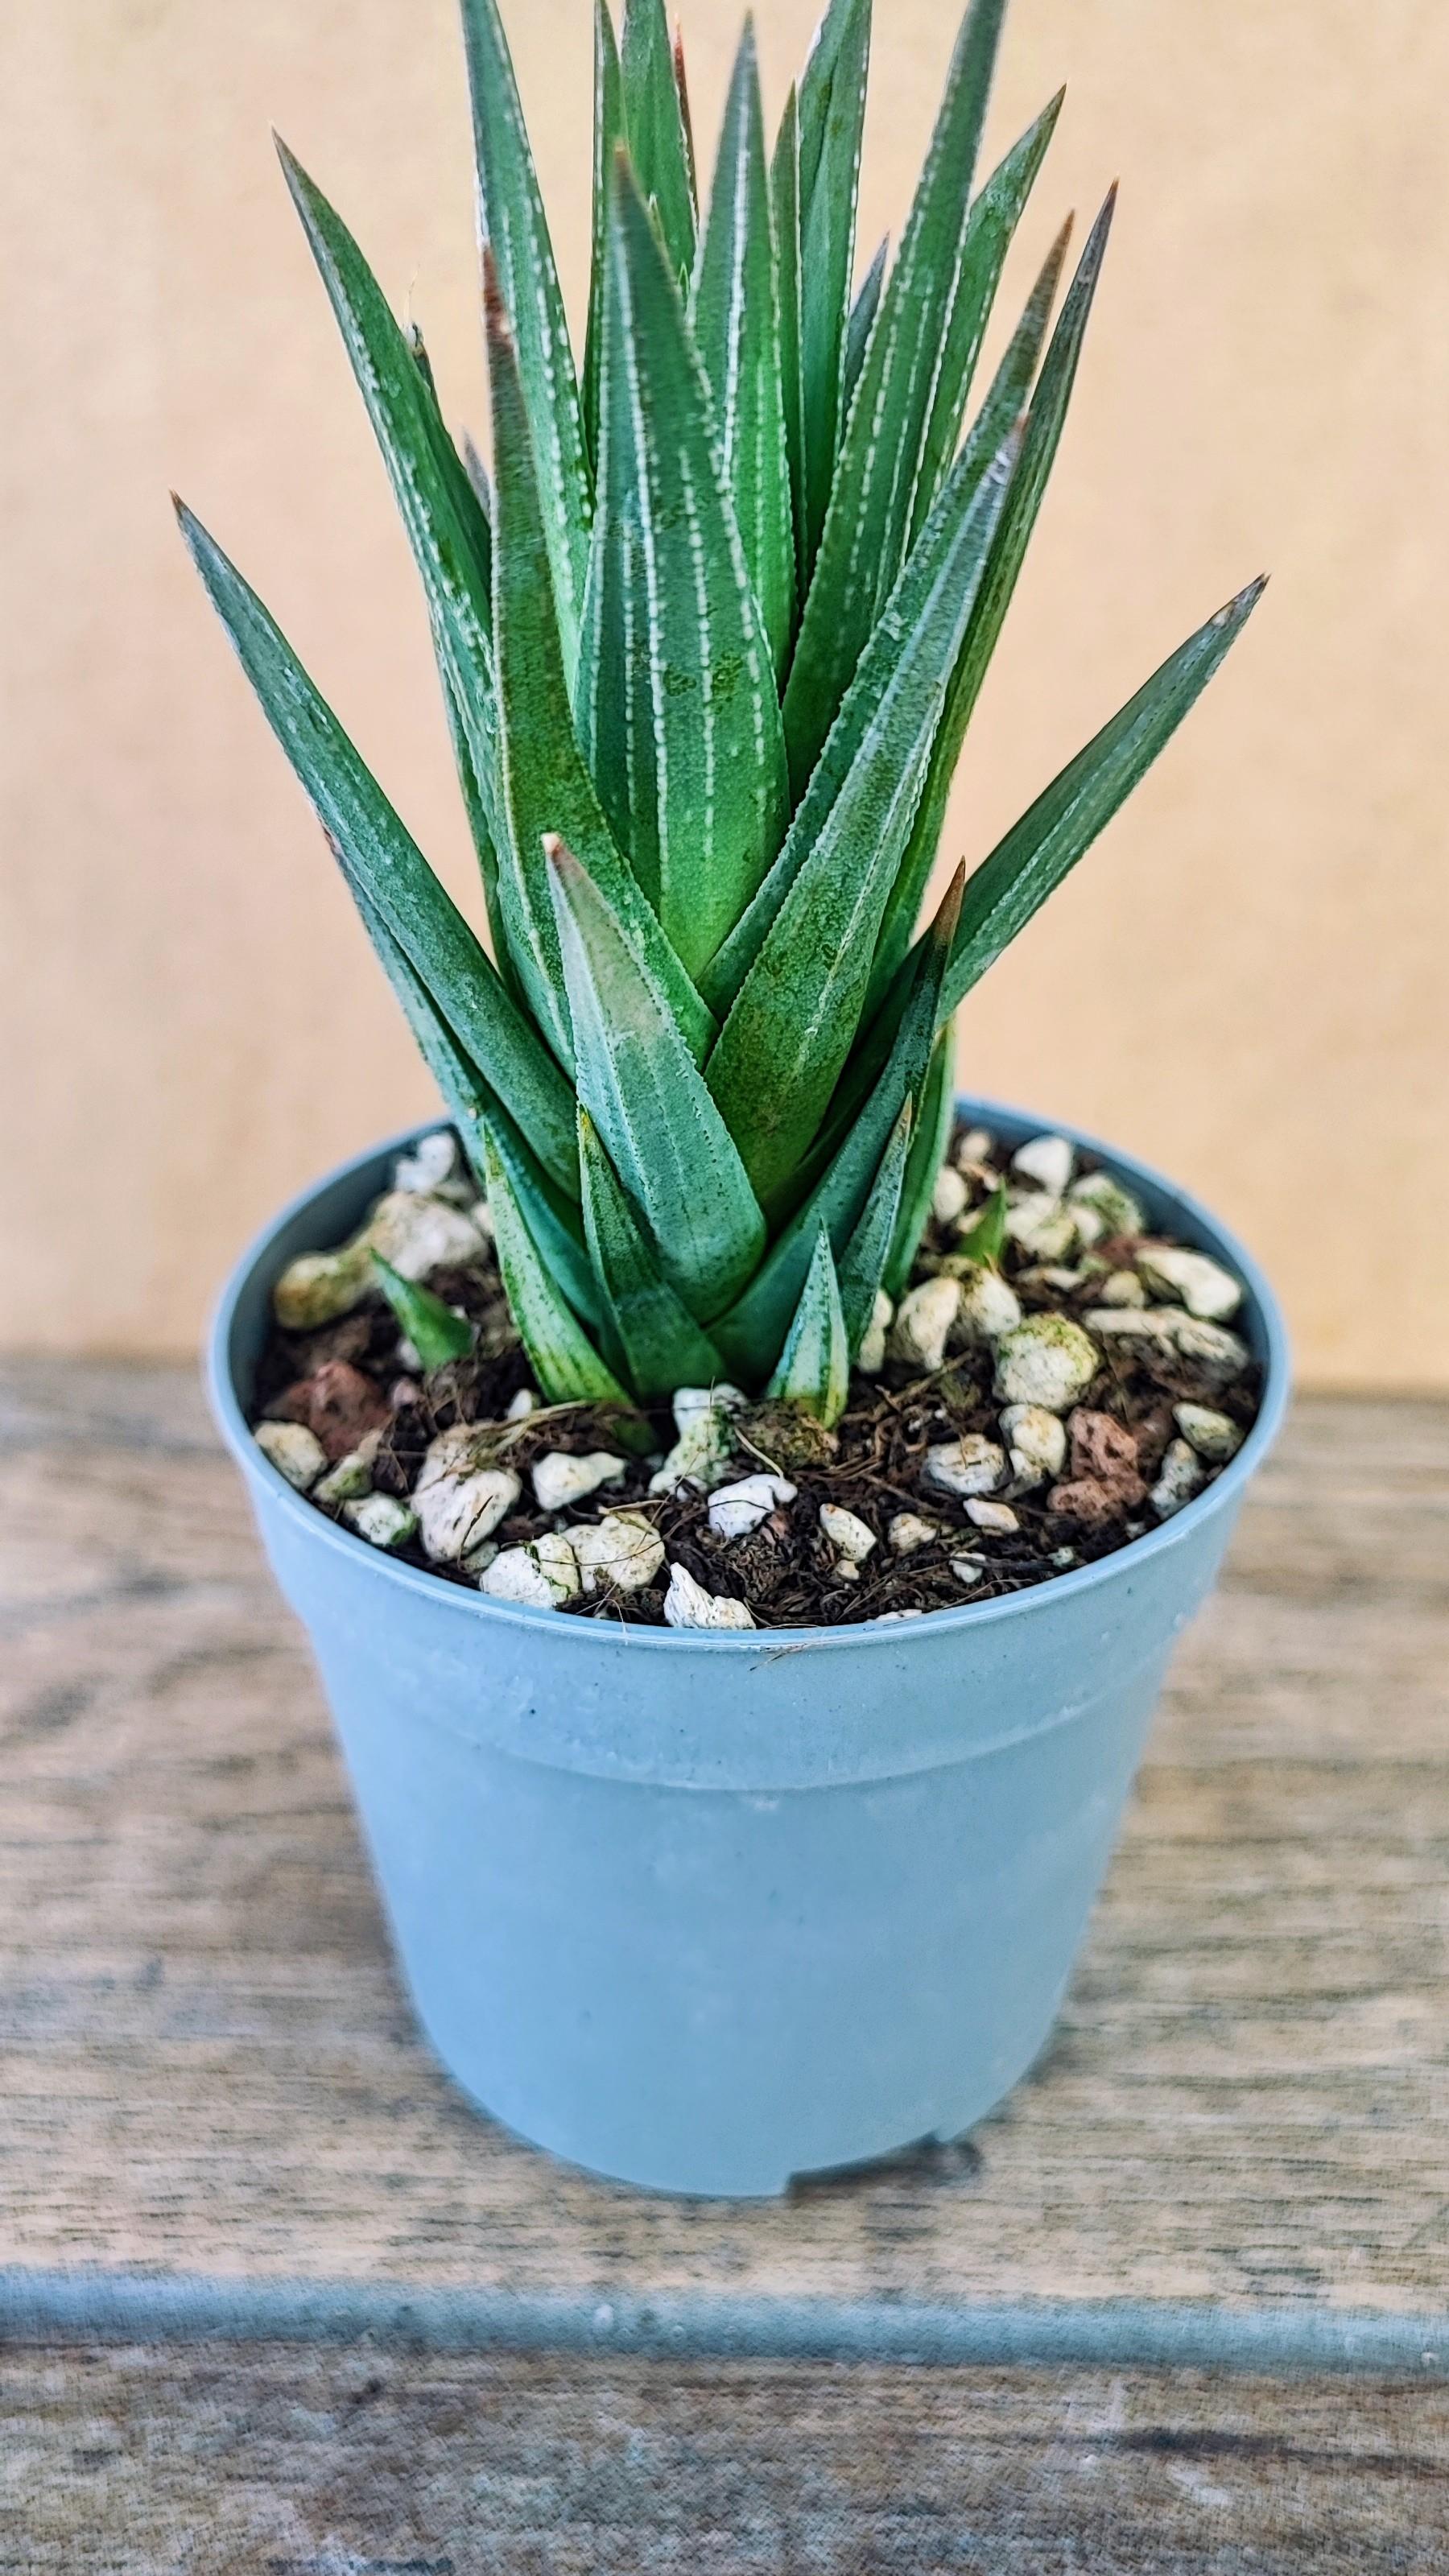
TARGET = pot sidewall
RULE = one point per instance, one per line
(703, 1912)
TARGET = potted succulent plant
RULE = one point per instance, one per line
(742, 1500)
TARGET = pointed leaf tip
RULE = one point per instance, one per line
(948, 911)
(1243, 601)
(437, 1334)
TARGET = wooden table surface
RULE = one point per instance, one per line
(208, 2079)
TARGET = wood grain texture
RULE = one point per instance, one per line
(285, 2463)
(206, 2064)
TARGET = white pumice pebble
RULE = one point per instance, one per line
(1062, 1557)
(403, 1392)
(870, 1358)
(319, 1286)
(1214, 1436)
(702, 1453)
(1043, 1227)
(998, 1518)
(455, 1452)
(408, 1356)
(352, 1475)
(418, 1233)
(622, 1550)
(988, 1307)
(950, 1195)
(433, 1161)
(970, 1465)
(1122, 1288)
(541, 1575)
(847, 1533)
(1036, 1443)
(924, 1319)
(478, 1559)
(559, 1479)
(553, 1553)
(735, 1510)
(1047, 1159)
(968, 1569)
(1204, 1287)
(1181, 1475)
(688, 1605)
(1052, 1274)
(457, 1512)
(413, 1230)
(975, 1148)
(522, 1405)
(1220, 1355)
(1048, 1360)
(1089, 1222)
(888, 1617)
(1134, 1323)
(1119, 1211)
(381, 1519)
(908, 1531)
(294, 1451)
(692, 1403)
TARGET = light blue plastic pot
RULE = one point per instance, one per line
(705, 1912)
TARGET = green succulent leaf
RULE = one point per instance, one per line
(480, 825)
(840, 1175)
(928, 1148)
(735, 313)
(785, 213)
(555, 1224)
(608, 135)
(868, 517)
(1003, 404)
(862, 322)
(862, 1265)
(382, 861)
(437, 1334)
(1040, 441)
(990, 230)
(662, 1345)
(655, 121)
(563, 1359)
(814, 1370)
(686, 120)
(680, 709)
(1038, 852)
(515, 230)
(476, 1111)
(984, 1240)
(447, 531)
(832, 118)
(645, 1095)
(790, 1027)
(547, 786)
(959, 533)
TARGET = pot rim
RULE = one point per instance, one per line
(856, 1635)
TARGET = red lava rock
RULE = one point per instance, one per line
(1105, 1482)
(1101, 1446)
(348, 1339)
(1089, 1501)
(336, 1402)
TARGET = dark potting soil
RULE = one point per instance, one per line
(345, 1380)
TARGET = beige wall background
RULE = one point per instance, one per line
(1246, 981)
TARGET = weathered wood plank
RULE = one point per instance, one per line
(206, 2065)
(280, 2462)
